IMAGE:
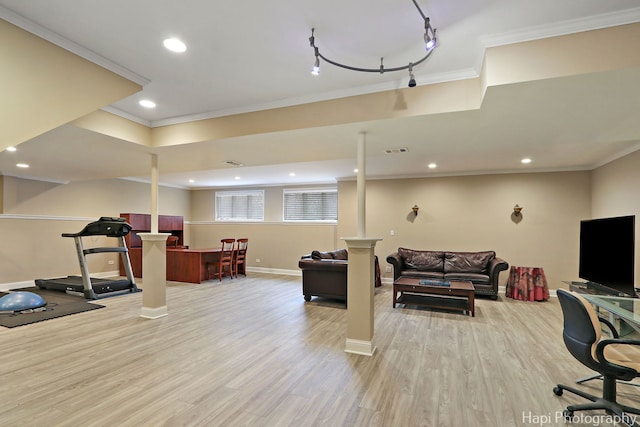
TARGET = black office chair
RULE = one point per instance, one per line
(615, 358)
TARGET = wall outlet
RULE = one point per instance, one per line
(388, 269)
(258, 260)
(111, 262)
(392, 232)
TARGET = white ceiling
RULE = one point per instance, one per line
(242, 58)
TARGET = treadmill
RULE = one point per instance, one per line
(91, 287)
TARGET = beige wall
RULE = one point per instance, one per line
(616, 192)
(475, 213)
(276, 244)
(456, 213)
(36, 213)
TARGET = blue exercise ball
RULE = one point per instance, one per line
(17, 301)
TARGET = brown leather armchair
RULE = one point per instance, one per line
(324, 274)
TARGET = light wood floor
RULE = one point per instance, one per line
(251, 352)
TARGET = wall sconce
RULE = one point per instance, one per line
(517, 209)
(415, 209)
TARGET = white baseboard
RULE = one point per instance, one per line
(363, 348)
(275, 271)
(154, 312)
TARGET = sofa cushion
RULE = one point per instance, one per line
(467, 262)
(422, 274)
(341, 254)
(320, 255)
(422, 260)
(474, 278)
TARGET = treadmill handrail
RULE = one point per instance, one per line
(105, 226)
(105, 249)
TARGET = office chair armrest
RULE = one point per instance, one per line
(611, 327)
(606, 342)
(629, 372)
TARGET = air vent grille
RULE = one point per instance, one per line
(396, 150)
(233, 163)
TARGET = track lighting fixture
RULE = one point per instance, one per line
(429, 35)
(412, 79)
(430, 43)
(316, 66)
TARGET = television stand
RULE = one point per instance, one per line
(594, 289)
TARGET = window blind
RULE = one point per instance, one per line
(310, 205)
(240, 205)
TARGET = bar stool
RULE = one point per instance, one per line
(240, 256)
(227, 254)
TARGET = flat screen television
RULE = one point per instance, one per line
(607, 254)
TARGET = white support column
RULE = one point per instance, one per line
(360, 284)
(154, 258)
(360, 275)
(361, 186)
(154, 193)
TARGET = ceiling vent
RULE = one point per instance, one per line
(396, 150)
(233, 163)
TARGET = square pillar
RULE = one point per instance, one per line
(360, 284)
(154, 275)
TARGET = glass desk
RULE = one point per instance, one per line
(625, 309)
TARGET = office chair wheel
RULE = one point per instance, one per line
(557, 391)
(567, 414)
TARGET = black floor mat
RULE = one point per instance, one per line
(58, 304)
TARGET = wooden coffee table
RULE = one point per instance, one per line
(458, 296)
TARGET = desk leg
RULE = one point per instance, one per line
(394, 296)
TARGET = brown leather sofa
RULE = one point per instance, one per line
(480, 268)
(324, 274)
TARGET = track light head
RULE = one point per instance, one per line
(315, 70)
(430, 40)
(412, 79)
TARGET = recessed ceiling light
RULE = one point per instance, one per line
(12, 149)
(237, 177)
(146, 103)
(175, 45)
(191, 181)
(525, 161)
(22, 165)
(292, 174)
(355, 170)
(432, 166)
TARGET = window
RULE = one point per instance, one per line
(240, 205)
(311, 205)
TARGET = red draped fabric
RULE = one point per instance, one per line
(527, 284)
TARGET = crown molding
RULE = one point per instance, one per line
(36, 178)
(118, 112)
(596, 22)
